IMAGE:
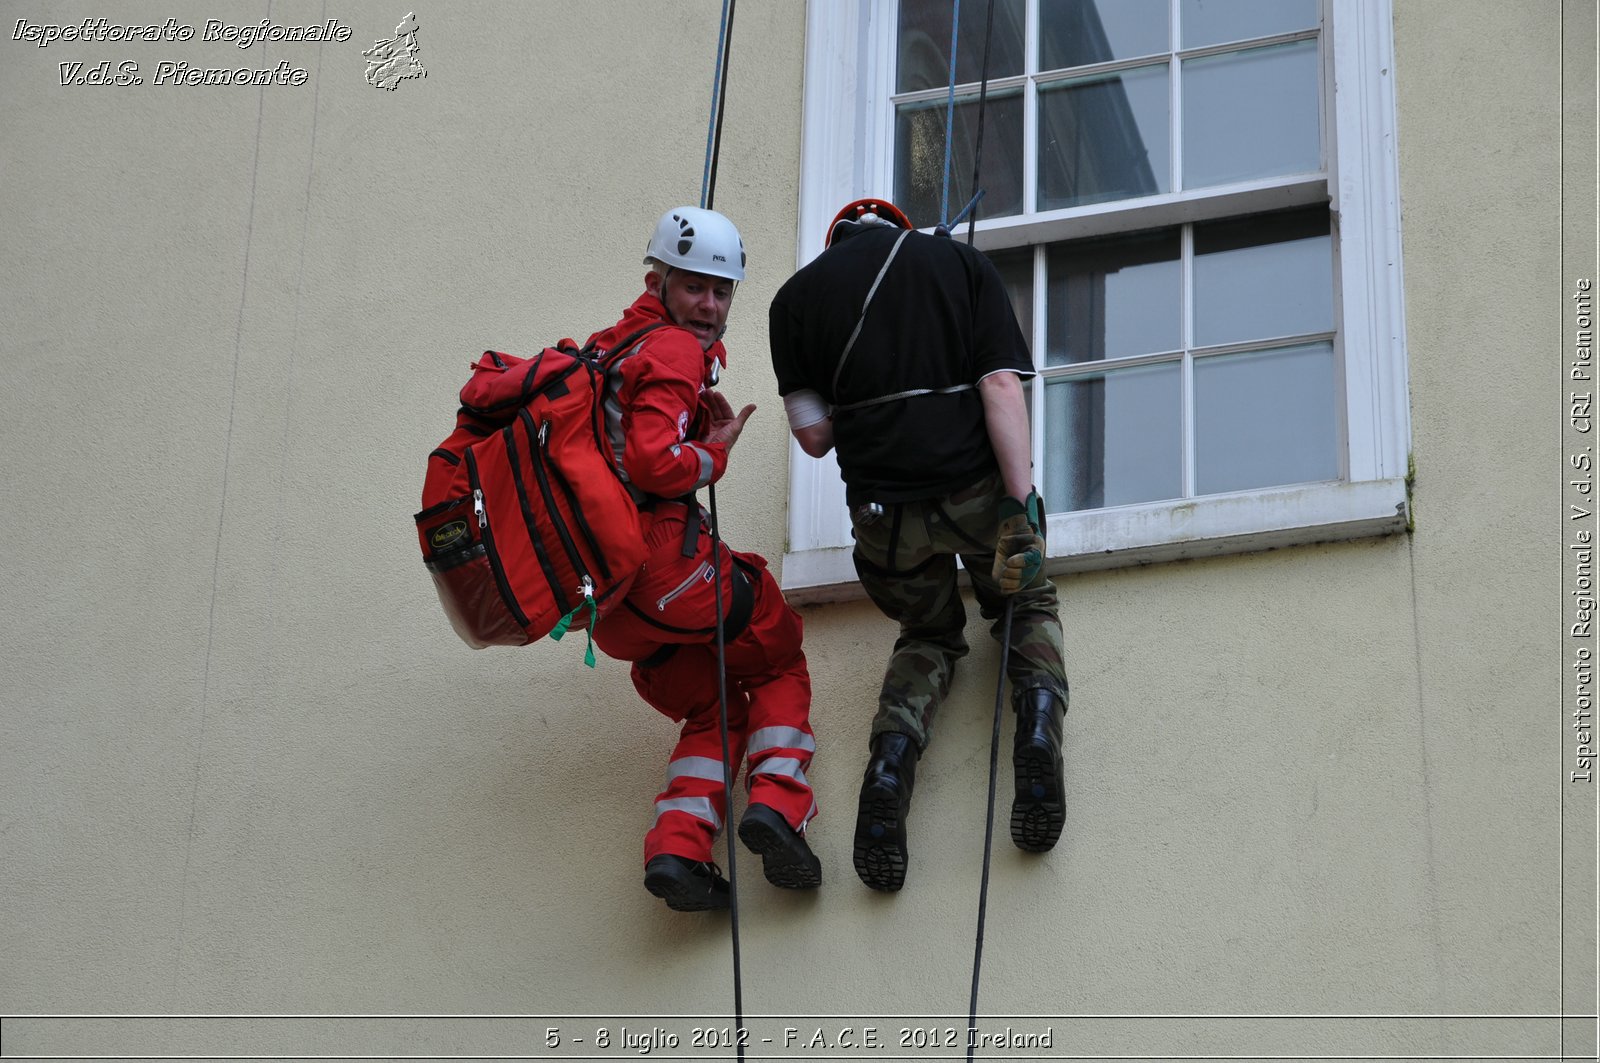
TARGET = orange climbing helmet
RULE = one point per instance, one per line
(871, 211)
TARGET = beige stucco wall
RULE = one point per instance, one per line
(248, 769)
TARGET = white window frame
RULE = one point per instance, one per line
(847, 139)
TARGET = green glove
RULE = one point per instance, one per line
(1019, 548)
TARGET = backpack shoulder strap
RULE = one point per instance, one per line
(623, 346)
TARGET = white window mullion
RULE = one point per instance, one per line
(1040, 325)
(1330, 142)
(1030, 110)
(1186, 370)
(1174, 88)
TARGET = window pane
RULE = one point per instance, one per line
(1113, 298)
(919, 157)
(1251, 114)
(1104, 138)
(1016, 272)
(1204, 22)
(1256, 278)
(1264, 419)
(1080, 32)
(924, 40)
(1113, 439)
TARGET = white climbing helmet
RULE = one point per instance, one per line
(698, 240)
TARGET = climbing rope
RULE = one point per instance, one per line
(977, 149)
(949, 114)
(708, 184)
(970, 212)
(707, 193)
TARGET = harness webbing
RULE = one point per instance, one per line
(707, 192)
(850, 344)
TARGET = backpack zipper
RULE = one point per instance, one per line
(488, 541)
(696, 575)
(534, 538)
(536, 438)
(577, 510)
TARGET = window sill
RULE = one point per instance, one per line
(1163, 531)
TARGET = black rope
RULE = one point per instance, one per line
(720, 94)
(1005, 643)
(988, 830)
(728, 769)
(983, 99)
(707, 193)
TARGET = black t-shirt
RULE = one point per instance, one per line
(940, 318)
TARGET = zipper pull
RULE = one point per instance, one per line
(587, 589)
(477, 507)
(544, 432)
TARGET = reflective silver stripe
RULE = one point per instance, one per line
(706, 466)
(695, 768)
(766, 738)
(613, 411)
(614, 434)
(788, 767)
(698, 807)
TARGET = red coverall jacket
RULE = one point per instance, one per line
(667, 624)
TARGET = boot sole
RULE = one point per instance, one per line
(682, 895)
(786, 860)
(1038, 812)
(880, 842)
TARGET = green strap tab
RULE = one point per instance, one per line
(565, 623)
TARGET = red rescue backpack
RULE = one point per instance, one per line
(525, 520)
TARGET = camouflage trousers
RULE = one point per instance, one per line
(906, 559)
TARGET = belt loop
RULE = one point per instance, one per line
(894, 533)
(691, 526)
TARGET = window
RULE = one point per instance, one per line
(1193, 205)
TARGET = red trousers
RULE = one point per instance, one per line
(667, 627)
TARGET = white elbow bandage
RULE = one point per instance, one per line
(805, 408)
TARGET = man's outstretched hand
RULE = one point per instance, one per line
(722, 425)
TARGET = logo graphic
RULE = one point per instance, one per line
(447, 536)
(391, 62)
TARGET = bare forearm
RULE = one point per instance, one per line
(816, 439)
(1005, 412)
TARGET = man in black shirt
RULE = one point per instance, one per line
(901, 351)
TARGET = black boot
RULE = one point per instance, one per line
(686, 885)
(880, 847)
(786, 859)
(1039, 811)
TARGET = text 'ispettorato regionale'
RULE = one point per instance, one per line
(174, 72)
